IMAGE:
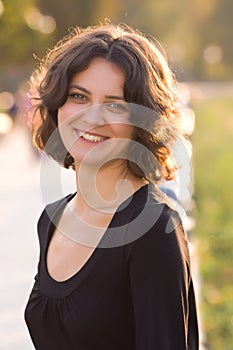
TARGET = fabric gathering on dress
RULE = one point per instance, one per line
(135, 292)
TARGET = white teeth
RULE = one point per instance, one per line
(92, 138)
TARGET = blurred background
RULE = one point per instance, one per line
(197, 36)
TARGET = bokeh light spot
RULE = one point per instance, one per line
(1, 8)
(6, 100)
(37, 21)
(6, 123)
(213, 54)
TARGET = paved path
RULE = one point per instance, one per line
(20, 205)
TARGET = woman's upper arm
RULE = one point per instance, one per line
(159, 280)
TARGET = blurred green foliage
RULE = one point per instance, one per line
(196, 34)
(18, 42)
(213, 159)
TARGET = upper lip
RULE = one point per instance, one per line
(91, 133)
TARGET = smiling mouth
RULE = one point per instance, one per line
(91, 137)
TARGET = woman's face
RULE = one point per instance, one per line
(94, 120)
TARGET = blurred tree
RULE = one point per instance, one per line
(196, 34)
(18, 42)
(68, 14)
(217, 33)
(78, 13)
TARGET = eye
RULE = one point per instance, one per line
(78, 97)
(117, 107)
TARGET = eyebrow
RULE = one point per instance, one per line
(110, 97)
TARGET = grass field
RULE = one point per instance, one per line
(213, 175)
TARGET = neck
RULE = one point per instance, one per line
(106, 188)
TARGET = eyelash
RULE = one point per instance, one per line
(114, 106)
(78, 97)
(119, 107)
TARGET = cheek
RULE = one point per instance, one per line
(69, 113)
(65, 131)
(62, 114)
(124, 131)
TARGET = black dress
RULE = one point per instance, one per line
(134, 293)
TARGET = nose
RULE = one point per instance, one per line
(94, 115)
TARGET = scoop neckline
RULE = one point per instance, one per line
(96, 252)
(52, 227)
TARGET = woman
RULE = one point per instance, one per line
(114, 269)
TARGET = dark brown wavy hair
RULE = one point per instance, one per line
(149, 83)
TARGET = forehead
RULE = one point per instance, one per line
(102, 75)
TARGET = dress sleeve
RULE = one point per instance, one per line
(158, 268)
